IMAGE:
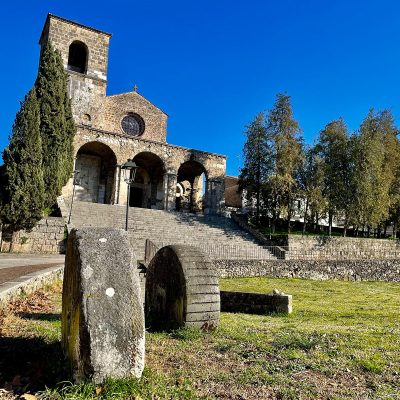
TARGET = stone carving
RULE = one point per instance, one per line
(102, 316)
(181, 290)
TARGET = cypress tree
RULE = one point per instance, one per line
(57, 128)
(285, 133)
(23, 190)
(257, 162)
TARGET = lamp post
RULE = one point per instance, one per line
(75, 178)
(129, 170)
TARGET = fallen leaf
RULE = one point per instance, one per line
(28, 396)
(99, 389)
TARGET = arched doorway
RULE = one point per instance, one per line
(96, 164)
(191, 186)
(147, 191)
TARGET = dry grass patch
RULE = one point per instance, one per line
(341, 342)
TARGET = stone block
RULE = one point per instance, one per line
(181, 289)
(256, 303)
(102, 317)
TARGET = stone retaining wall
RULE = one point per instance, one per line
(365, 270)
(340, 248)
(46, 237)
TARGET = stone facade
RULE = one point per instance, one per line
(103, 143)
(349, 270)
(46, 237)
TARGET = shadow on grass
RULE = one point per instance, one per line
(30, 364)
(40, 316)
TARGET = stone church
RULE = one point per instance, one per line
(113, 129)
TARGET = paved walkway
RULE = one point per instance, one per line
(17, 268)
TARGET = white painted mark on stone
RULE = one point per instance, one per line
(110, 292)
(103, 240)
(87, 272)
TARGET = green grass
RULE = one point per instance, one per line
(342, 341)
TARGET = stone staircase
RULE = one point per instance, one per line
(217, 236)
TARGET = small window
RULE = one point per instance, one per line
(133, 124)
(77, 57)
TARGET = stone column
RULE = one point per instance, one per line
(117, 183)
(170, 181)
(215, 196)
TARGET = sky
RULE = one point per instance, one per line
(212, 65)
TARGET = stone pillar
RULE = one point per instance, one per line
(170, 181)
(123, 191)
(214, 196)
(117, 183)
(102, 311)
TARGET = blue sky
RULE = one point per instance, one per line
(213, 64)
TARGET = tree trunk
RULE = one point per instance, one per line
(394, 230)
(385, 231)
(305, 217)
(330, 218)
(13, 240)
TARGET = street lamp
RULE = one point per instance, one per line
(129, 172)
(75, 182)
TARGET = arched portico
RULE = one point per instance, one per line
(191, 186)
(147, 190)
(95, 182)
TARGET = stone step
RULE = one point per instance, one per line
(216, 235)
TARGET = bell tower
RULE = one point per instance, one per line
(84, 52)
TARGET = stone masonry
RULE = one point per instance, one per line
(46, 237)
(103, 142)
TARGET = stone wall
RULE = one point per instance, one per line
(341, 248)
(46, 237)
(118, 106)
(255, 303)
(365, 270)
(87, 90)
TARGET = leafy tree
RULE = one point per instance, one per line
(310, 180)
(336, 150)
(374, 177)
(23, 191)
(257, 162)
(56, 123)
(284, 132)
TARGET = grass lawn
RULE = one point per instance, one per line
(341, 342)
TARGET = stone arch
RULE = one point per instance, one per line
(78, 57)
(181, 289)
(192, 176)
(96, 163)
(147, 191)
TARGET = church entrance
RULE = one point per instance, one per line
(191, 187)
(136, 197)
(96, 164)
(147, 191)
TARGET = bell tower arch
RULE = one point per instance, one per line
(84, 51)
